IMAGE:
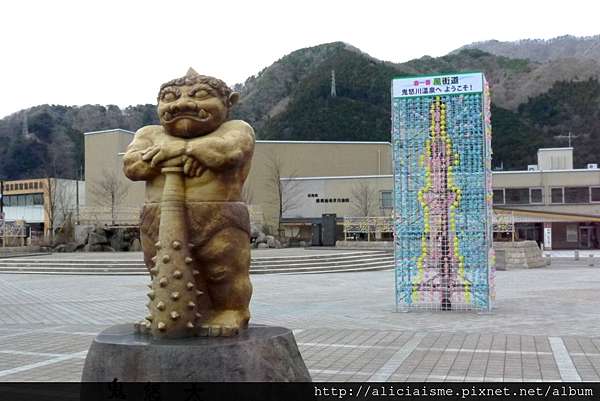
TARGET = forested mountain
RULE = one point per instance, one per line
(47, 140)
(535, 103)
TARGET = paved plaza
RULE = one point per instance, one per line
(545, 325)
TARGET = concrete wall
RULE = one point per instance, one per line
(103, 162)
(555, 158)
(344, 196)
(310, 159)
(548, 180)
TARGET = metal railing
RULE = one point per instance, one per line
(12, 234)
(105, 215)
(371, 227)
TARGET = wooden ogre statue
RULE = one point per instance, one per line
(194, 226)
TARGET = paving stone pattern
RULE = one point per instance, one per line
(544, 326)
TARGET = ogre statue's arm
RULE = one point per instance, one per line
(134, 167)
(230, 147)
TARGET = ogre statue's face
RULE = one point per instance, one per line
(188, 111)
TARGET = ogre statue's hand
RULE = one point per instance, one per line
(157, 154)
(191, 166)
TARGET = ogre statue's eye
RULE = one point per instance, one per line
(201, 94)
(168, 96)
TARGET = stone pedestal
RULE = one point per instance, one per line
(518, 255)
(260, 353)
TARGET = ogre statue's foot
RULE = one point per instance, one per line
(224, 324)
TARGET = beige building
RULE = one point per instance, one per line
(288, 165)
(111, 198)
(551, 203)
(42, 203)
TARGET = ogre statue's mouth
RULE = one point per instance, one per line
(200, 116)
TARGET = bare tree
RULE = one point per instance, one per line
(286, 193)
(56, 205)
(364, 199)
(110, 190)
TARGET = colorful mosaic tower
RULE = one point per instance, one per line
(441, 136)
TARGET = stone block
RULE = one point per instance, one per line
(258, 354)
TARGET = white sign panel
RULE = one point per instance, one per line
(453, 84)
(548, 238)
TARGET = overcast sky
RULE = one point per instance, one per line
(119, 52)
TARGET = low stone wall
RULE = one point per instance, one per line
(10, 252)
(387, 245)
(518, 255)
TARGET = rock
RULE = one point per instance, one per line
(96, 238)
(71, 247)
(262, 245)
(60, 248)
(255, 230)
(270, 241)
(262, 238)
(117, 240)
(93, 248)
(258, 354)
(81, 233)
(277, 244)
(135, 246)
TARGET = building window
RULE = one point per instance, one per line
(517, 196)
(20, 185)
(386, 200)
(577, 194)
(556, 195)
(498, 196)
(594, 194)
(572, 233)
(38, 199)
(536, 195)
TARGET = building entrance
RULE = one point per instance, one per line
(587, 237)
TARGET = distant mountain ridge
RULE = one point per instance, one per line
(543, 50)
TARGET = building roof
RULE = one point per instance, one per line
(107, 131)
(566, 148)
(341, 177)
(572, 170)
(550, 216)
(326, 142)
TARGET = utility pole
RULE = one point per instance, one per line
(333, 92)
(77, 178)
